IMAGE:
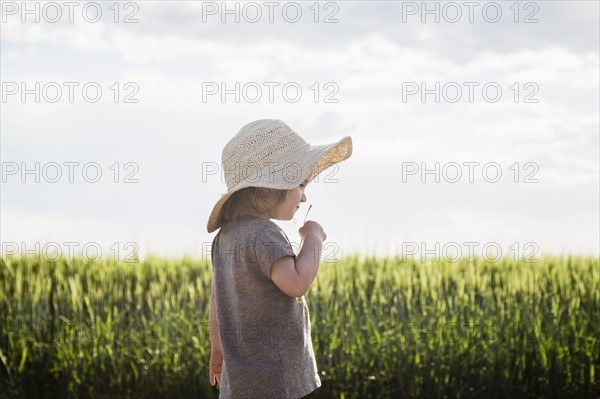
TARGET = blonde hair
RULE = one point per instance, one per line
(253, 200)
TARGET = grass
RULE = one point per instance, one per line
(381, 327)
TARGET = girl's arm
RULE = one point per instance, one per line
(215, 340)
(216, 352)
(294, 277)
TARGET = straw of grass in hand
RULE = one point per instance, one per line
(303, 223)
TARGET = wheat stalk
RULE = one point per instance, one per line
(302, 240)
(307, 214)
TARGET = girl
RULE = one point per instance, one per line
(260, 325)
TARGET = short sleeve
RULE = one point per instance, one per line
(271, 244)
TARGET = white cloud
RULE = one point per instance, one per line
(172, 131)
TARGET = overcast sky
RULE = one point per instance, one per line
(517, 87)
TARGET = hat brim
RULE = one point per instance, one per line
(311, 162)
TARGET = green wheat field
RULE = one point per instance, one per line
(381, 328)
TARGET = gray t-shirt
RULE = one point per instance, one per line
(265, 334)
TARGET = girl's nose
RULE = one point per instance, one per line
(303, 199)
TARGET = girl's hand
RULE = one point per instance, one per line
(312, 228)
(216, 362)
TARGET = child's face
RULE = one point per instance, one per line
(295, 196)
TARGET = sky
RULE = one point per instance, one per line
(475, 125)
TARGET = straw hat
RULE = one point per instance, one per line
(268, 153)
